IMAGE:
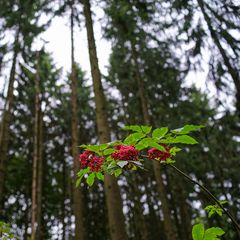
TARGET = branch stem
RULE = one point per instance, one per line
(210, 195)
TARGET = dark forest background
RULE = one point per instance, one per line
(45, 116)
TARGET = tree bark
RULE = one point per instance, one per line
(140, 220)
(6, 120)
(113, 198)
(168, 223)
(37, 162)
(232, 71)
(77, 192)
(40, 175)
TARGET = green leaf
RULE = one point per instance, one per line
(223, 202)
(198, 231)
(90, 179)
(83, 146)
(209, 207)
(117, 172)
(187, 129)
(134, 128)
(80, 175)
(103, 146)
(159, 132)
(211, 212)
(149, 142)
(134, 137)
(140, 146)
(219, 211)
(109, 151)
(174, 150)
(82, 172)
(213, 233)
(94, 148)
(185, 139)
(121, 164)
(100, 176)
(169, 161)
(214, 209)
(78, 182)
(156, 145)
(146, 129)
(138, 128)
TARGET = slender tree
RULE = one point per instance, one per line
(6, 119)
(126, 29)
(77, 192)
(37, 159)
(114, 204)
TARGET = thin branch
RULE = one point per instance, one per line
(236, 225)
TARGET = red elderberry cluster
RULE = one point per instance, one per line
(89, 159)
(154, 153)
(125, 153)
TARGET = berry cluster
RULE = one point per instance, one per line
(154, 153)
(125, 153)
(89, 159)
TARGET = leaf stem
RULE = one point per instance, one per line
(236, 225)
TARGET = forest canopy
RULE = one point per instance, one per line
(172, 77)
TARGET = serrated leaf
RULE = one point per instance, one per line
(198, 231)
(187, 129)
(159, 132)
(121, 164)
(100, 176)
(109, 151)
(90, 179)
(134, 137)
(185, 139)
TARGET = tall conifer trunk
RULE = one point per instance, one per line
(77, 192)
(169, 227)
(113, 198)
(231, 70)
(6, 120)
(37, 160)
(40, 174)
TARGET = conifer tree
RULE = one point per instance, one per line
(113, 198)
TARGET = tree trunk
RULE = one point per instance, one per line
(184, 213)
(37, 162)
(77, 192)
(140, 220)
(63, 198)
(113, 198)
(168, 223)
(40, 175)
(6, 120)
(232, 71)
